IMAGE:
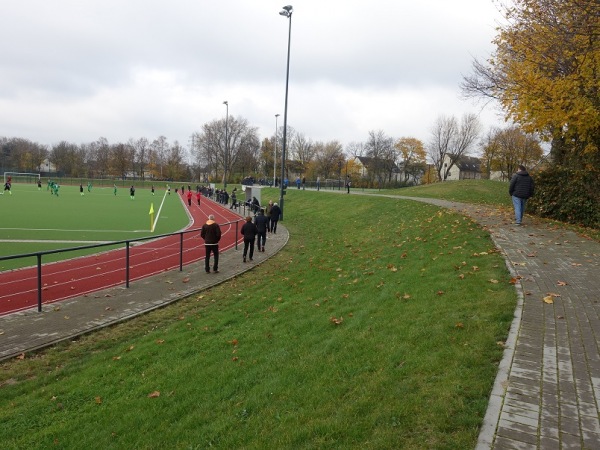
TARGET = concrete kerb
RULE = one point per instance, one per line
(30, 330)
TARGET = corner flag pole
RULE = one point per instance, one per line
(151, 217)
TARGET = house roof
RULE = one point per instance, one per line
(369, 161)
(468, 164)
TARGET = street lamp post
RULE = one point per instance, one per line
(287, 12)
(275, 154)
(226, 146)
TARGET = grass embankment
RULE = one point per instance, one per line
(378, 326)
(467, 191)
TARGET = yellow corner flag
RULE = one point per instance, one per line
(151, 217)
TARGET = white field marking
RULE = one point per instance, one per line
(158, 212)
(69, 231)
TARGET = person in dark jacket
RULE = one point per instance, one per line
(521, 188)
(262, 224)
(249, 232)
(211, 233)
(275, 213)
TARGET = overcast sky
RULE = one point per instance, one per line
(78, 70)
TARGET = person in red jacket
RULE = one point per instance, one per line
(189, 196)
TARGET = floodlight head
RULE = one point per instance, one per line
(225, 102)
(288, 8)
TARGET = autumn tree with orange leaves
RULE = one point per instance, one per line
(545, 72)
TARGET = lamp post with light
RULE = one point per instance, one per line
(226, 146)
(287, 12)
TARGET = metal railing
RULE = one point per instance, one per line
(127, 242)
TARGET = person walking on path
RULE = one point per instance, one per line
(211, 233)
(262, 223)
(249, 232)
(275, 214)
(521, 188)
(268, 215)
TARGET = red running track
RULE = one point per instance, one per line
(80, 276)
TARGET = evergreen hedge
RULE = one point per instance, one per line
(568, 195)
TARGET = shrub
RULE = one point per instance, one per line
(568, 195)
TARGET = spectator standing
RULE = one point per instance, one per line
(255, 205)
(521, 188)
(298, 182)
(189, 197)
(211, 233)
(318, 183)
(81, 189)
(249, 232)
(132, 192)
(275, 214)
(262, 224)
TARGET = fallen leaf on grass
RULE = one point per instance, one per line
(335, 320)
(98, 400)
(154, 394)
(459, 325)
(116, 358)
(21, 356)
(160, 341)
(440, 292)
(494, 281)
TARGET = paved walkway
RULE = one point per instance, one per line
(547, 392)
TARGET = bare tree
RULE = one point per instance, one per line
(451, 140)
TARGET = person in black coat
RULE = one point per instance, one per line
(262, 224)
(249, 232)
(275, 214)
(521, 188)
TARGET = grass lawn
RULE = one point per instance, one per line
(380, 325)
(467, 191)
(57, 222)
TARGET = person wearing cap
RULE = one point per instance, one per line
(211, 233)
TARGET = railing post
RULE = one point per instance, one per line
(127, 264)
(39, 279)
(181, 251)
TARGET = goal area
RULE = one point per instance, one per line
(22, 177)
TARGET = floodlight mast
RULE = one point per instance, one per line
(287, 12)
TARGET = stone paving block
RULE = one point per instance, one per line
(590, 424)
(591, 441)
(571, 442)
(503, 443)
(548, 443)
(516, 435)
(569, 425)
